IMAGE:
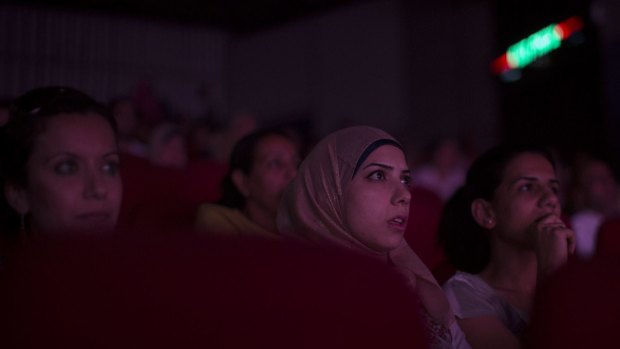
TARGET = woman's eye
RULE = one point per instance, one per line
(376, 176)
(406, 180)
(66, 167)
(525, 187)
(111, 168)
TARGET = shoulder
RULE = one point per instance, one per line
(212, 217)
(216, 210)
(462, 281)
(220, 220)
(470, 296)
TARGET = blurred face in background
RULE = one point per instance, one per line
(168, 147)
(600, 188)
(125, 115)
(275, 163)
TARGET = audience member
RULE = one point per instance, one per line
(122, 108)
(352, 191)
(595, 198)
(224, 138)
(198, 140)
(167, 146)
(59, 164)
(445, 170)
(503, 232)
(261, 165)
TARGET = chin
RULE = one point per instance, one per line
(389, 244)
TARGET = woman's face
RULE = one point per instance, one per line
(527, 194)
(376, 203)
(73, 180)
(275, 164)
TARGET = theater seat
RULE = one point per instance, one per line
(166, 198)
(608, 240)
(145, 291)
(578, 307)
(421, 233)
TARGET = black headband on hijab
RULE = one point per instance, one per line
(372, 147)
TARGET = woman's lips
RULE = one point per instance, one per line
(95, 217)
(545, 217)
(399, 223)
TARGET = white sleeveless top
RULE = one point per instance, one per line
(470, 296)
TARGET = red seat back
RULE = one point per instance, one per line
(578, 307)
(421, 234)
(608, 240)
(166, 198)
(189, 292)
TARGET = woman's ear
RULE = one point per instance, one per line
(239, 179)
(17, 198)
(483, 213)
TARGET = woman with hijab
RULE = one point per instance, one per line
(352, 191)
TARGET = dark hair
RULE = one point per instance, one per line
(242, 158)
(27, 119)
(467, 244)
(372, 147)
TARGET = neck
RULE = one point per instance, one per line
(511, 269)
(262, 217)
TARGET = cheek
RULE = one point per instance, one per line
(115, 191)
(362, 211)
(49, 196)
(272, 182)
(517, 213)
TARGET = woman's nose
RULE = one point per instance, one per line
(94, 186)
(402, 195)
(550, 199)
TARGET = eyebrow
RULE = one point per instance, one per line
(73, 155)
(532, 179)
(387, 167)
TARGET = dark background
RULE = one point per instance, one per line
(566, 99)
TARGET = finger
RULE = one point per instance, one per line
(551, 219)
(550, 228)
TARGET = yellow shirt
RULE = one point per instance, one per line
(220, 220)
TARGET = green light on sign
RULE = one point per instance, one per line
(534, 46)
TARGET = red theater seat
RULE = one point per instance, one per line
(166, 198)
(188, 292)
(578, 307)
(608, 240)
(421, 234)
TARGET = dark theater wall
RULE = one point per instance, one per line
(417, 69)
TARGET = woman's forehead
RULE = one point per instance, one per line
(386, 153)
(529, 165)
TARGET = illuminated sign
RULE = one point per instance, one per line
(536, 45)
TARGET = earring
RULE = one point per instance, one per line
(489, 221)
